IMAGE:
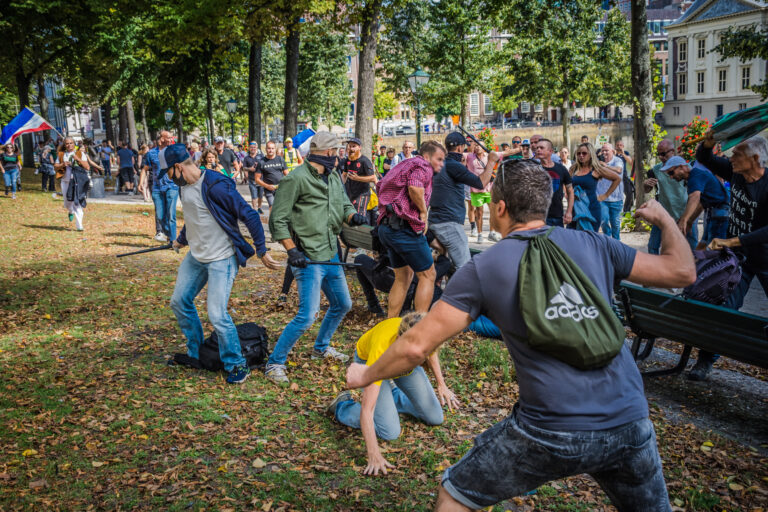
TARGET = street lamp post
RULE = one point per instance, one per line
(168, 117)
(231, 108)
(417, 80)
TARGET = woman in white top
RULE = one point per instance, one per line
(564, 157)
(68, 156)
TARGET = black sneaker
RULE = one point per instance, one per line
(376, 310)
(181, 359)
(342, 397)
(238, 375)
(700, 370)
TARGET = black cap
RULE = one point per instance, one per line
(354, 140)
(454, 139)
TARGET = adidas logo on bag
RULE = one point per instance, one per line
(568, 303)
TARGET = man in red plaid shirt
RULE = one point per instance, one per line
(404, 194)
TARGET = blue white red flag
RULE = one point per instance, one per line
(26, 122)
(301, 140)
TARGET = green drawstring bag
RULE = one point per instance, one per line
(566, 315)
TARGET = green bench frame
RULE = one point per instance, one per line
(654, 314)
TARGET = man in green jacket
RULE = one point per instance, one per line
(309, 209)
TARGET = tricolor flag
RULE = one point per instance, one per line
(302, 139)
(26, 122)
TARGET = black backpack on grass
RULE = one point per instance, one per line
(253, 342)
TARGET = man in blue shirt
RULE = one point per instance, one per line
(705, 192)
(164, 192)
(126, 160)
(213, 209)
(581, 421)
(446, 206)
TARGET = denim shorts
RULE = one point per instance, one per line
(511, 458)
(256, 190)
(406, 248)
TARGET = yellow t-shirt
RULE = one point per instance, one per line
(377, 340)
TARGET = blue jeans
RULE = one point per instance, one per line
(107, 168)
(715, 226)
(410, 394)
(654, 242)
(11, 177)
(310, 281)
(165, 210)
(610, 211)
(555, 221)
(512, 458)
(190, 280)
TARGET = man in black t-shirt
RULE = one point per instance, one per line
(250, 163)
(357, 172)
(270, 171)
(561, 184)
(227, 158)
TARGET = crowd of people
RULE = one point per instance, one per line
(415, 204)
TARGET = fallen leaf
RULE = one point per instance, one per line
(258, 464)
(294, 386)
(38, 484)
(266, 506)
(29, 453)
(97, 464)
(735, 487)
(678, 502)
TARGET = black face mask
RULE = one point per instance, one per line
(179, 181)
(328, 162)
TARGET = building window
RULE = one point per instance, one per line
(718, 110)
(697, 110)
(474, 104)
(722, 80)
(682, 51)
(349, 63)
(351, 111)
(487, 108)
(675, 111)
(742, 106)
(700, 82)
(682, 83)
(745, 76)
(702, 48)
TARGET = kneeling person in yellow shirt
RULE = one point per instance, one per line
(382, 401)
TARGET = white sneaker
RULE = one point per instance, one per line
(494, 236)
(13, 196)
(160, 237)
(330, 353)
(473, 232)
(276, 373)
(480, 238)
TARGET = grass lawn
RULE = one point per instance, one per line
(91, 416)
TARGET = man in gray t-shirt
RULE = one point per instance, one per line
(567, 421)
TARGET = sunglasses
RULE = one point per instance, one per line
(663, 152)
(582, 153)
(516, 142)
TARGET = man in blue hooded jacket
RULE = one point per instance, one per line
(212, 209)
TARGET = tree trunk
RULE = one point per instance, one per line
(254, 92)
(209, 106)
(291, 107)
(108, 126)
(366, 76)
(133, 141)
(266, 128)
(642, 90)
(144, 123)
(42, 101)
(179, 121)
(122, 117)
(22, 85)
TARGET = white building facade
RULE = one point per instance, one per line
(701, 84)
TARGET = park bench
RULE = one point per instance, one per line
(654, 314)
(356, 237)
